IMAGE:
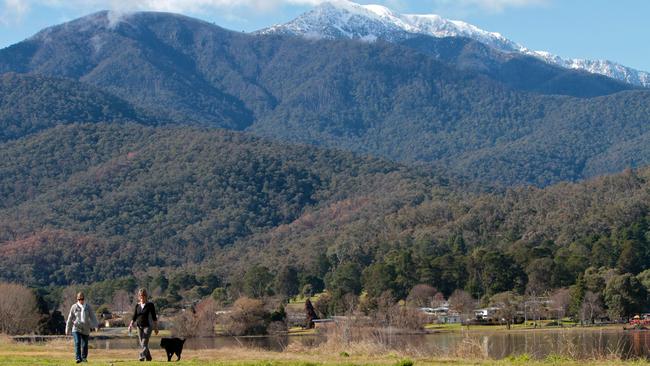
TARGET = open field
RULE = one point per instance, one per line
(59, 352)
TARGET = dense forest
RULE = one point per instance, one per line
(398, 101)
(524, 240)
(32, 103)
(95, 201)
(217, 212)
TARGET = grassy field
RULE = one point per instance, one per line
(59, 352)
(541, 325)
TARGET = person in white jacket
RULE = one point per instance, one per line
(81, 320)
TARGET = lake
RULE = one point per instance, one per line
(575, 343)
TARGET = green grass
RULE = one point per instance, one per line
(300, 300)
(59, 352)
(516, 361)
(541, 325)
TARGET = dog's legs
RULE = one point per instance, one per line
(169, 356)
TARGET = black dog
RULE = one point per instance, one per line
(171, 346)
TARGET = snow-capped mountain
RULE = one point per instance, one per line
(346, 19)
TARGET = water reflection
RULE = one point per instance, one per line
(270, 343)
(577, 344)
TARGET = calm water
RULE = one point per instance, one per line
(539, 344)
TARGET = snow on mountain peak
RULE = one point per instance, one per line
(345, 19)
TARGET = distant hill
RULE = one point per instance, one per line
(523, 238)
(32, 103)
(95, 201)
(92, 202)
(149, 59)
(383, 99)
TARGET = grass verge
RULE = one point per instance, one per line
(59, 352)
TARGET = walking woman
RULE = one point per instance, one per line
(81, 320)
(144, 317)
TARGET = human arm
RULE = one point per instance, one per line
(70, 321)
(154, 318)
(94, 324)
(135, 314)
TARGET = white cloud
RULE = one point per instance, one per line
(179, 6)
(12, 11)
(494, 6)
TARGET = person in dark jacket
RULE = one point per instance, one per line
(144, 317)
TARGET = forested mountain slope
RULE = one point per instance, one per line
(383, 99)
(99, 201)
(32, 103)
(515, 70)
(95, 201)
(526, 239)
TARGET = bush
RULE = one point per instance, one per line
(322, 305)
(247, 317)
(276, 327)
(406, 362)
(18, 310)
(198, 321)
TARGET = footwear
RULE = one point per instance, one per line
(78, 361)
(141, 358)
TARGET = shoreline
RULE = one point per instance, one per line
(60, 352)
(121, 333)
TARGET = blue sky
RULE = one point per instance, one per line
(594, 29)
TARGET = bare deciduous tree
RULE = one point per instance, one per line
(422, 295)
(463, 303)
(508, 304)
(122, 302)
(68, 297)
(591, 307)
(18, 310)
(247, 317)
(198, 321)
(560, 300)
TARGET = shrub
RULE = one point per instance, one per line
(405, 362)
(198, 321)
(18, 310)
(247, 317)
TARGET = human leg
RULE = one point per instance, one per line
(143, 336)
(76, 336)
(84, 346)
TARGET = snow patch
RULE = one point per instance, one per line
(346, 19)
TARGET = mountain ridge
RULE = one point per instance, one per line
(343, 18)
(384, 99)
(32, 103)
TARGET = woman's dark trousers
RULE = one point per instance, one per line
(143, 337)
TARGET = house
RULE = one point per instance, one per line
(441, 314)
(486, 313)
(450, 318)
(324, 323)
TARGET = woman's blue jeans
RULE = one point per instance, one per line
(80, 346)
